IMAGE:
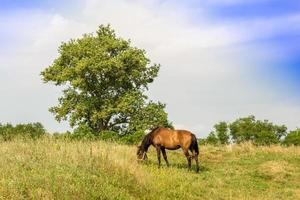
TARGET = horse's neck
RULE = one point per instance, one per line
(147, 142)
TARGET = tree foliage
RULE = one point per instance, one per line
(248, 129)
(221, 130)
(256, 131)
(212, 139)
(105, 79)
(30, 130)
(293, 138)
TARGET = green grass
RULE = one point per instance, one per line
(56, 169)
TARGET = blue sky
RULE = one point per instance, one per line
(231, 11)
(285, 68)
(36, 4)
(263, 8)
(233, 57)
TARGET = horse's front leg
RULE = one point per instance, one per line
(158, 154)
(163, 150)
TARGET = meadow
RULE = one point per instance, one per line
(51, 168)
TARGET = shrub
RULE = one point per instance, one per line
(133, 138)
(25, 131)
(293, 138)
(109, 136)
(83, 132)
(212, 139)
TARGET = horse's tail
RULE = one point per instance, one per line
(194, 145)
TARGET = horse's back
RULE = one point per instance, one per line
(185, 137)
(172, 139)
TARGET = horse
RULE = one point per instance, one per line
(165, 138)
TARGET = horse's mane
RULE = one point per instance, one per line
(147, 141)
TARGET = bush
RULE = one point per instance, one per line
(109, 136)
(256, 131)
(83, 132)
(293, 138)
(133, 138)
(24, 131)
(62, 136)
(212, 139)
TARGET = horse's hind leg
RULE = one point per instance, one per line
(188, 157)
(158, 154)
(197, 163)
(195, 155)
(165, 155)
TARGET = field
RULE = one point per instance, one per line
(57, 169)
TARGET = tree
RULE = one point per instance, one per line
(221, 130)
(148, 117)
(256, 131)
(266, 133)
(104, 79)
(293, 138)
(241, 130)
(30, 131)
(212, 139)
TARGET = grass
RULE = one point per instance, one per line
(57, 169)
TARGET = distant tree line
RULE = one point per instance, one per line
(249, 129)
(24, 131)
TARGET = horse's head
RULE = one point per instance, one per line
(141, 153)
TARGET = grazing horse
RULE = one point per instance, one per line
(164, 138)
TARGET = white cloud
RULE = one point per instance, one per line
(207, 72)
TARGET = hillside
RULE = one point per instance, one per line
(56, 169)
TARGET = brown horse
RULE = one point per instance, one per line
(164, 138)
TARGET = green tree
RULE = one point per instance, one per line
(30, 131)
(293, 138)
(221, 131)
(104, 79)
(212, 139)
(256, 131)
(7, 131)
(148, 117)
(242, 129)
(266, 133)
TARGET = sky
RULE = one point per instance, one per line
(220, 59)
